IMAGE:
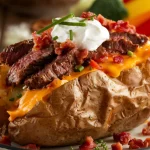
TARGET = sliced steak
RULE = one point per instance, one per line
(29, 64)
(14, 52)
(62, 65)
(134, 38)
(121, 46)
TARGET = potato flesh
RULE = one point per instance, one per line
(94, 104)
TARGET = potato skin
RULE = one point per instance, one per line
(94, 104)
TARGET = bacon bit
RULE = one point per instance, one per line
(88, 15)
(118, 59)
(63, 47)
(122, 26)
(123, 137)
(31, 147)
(116, 146)
(101, 59)
(147, 142)
(5, 140)
(95, 65)
(146, 130)
(119, 26)
(148, 123)
(43, 40)
(136, 144)
(81, 55)
(88, 144)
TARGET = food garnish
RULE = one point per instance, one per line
(71, 34)
(123, 137)
(116, 146)
(12, 99)
(55, 38)
(130, 53)
(78, 68)
(55, 22)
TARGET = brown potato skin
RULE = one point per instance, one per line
(94, 104)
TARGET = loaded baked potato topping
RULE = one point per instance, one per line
(70, 49)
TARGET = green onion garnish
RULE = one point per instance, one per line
(79, 68)
(92, 17)
(82, 24)
(71, 34)
(130, 53)
(55, 38)
(55, 22)
(12, 99)
(19, 95)
(83, 20)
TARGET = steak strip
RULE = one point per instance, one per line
(122, 42)
(29, 64)
(134, 38)
(13, 53)
(62, 65)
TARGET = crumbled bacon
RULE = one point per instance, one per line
(31, 147)
(147, 142)
(136, 144)
(88, 144)
(123, 137)
(116, 146)
(146, 130)
(63, 48)
(118, 59)
(5, 140)
(87, 15)
(42, 40)
(119, 26)
(81, 55)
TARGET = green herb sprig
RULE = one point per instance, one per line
(55, 22)
(101, 145)
(130, 53)
(71, 34)
(79, 68)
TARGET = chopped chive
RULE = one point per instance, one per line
(82, 24)
(83, 20)
(12, 99)
(130, 53)
(55, 22)
(71, 34)
(79, 68)
(19, 95)
(92, 17)
(55, 38)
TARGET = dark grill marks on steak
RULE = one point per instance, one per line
(29, 64)
(14, 52)
(62, 65)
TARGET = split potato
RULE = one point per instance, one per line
(93, 104)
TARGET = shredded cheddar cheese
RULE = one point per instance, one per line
(30, 98)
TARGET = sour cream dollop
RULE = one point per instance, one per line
(88, 37)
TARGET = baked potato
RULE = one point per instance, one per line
(93, 104)
(69, 93)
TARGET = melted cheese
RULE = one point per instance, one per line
(30, 98)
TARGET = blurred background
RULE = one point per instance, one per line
(19, 18)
